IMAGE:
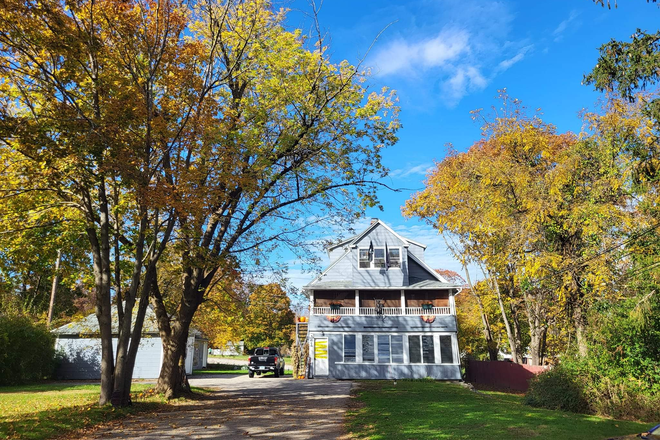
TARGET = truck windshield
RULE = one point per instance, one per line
(259, 351)
(272, 351)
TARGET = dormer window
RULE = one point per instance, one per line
(395, 257)
(365, 261)
(377, 260)
(379, 257)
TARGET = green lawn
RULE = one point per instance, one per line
(222, 369)
(427, 409)
(227, 369)
(287, 359)
(48, 410)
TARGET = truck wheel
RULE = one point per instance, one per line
(282, 371)
(251, 374)
(277, 372)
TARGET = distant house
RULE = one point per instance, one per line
(380, 312)
(80, 345)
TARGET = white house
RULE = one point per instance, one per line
(380, 312)
(80, 346)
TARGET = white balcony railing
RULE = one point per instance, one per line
(333, 311)
(388, 311)
(433, 311)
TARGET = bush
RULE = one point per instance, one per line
(558, 388)
(623, 399)
(27, 351)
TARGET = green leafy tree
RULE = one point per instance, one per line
(269, 321)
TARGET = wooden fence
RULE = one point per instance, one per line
(502, 375)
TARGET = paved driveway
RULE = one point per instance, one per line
(263, 407)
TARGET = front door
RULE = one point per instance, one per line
(321, 356)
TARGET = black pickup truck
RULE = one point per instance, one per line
(266, 359)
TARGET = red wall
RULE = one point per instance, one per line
(500, 374)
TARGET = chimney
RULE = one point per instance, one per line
(373, 220)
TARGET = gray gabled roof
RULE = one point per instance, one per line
(89, 325)
(356, 238)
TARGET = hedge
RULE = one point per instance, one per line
(27, 351)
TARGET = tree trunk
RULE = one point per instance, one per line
(515, 315)
(513, 346)
(172, 380)
(101, 261)
(130, 332)
(488, 336)
(537, 328)
(174, 333)
(580, 323)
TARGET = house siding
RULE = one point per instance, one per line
(82, 358)
(417, 251)
(417, 273)
(341, 271)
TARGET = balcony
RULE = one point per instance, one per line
(388, 311)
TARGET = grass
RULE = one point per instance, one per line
(222, 369)
(427, 409)
(55, 409)
(226, 369)
(244, 357)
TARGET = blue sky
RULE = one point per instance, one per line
(448, 57)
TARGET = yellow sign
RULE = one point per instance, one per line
(320, 348)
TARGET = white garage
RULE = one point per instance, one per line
(80, 349)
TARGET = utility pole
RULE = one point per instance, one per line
(53, 290)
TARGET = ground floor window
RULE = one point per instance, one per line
(398, 349)
(383, 349)
(368, 353)
(349, 348)
(421, 349)
(446, 352)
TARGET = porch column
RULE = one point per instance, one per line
(357, 302)
(452, 304)
(403, 302)
(311, 302)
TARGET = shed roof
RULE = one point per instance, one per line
(89, 325)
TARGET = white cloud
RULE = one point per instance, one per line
(411, 170)
(505, 64)
(409, 57)
(465, 79)
(561, 28)
(454, 48)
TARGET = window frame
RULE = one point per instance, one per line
(420, 339)
(373, 348)
(437, 348)
(389, 250)
(372, 259)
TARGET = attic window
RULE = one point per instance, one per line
(376, 259)
(395, 257)
(379, 257)
(364, 259)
